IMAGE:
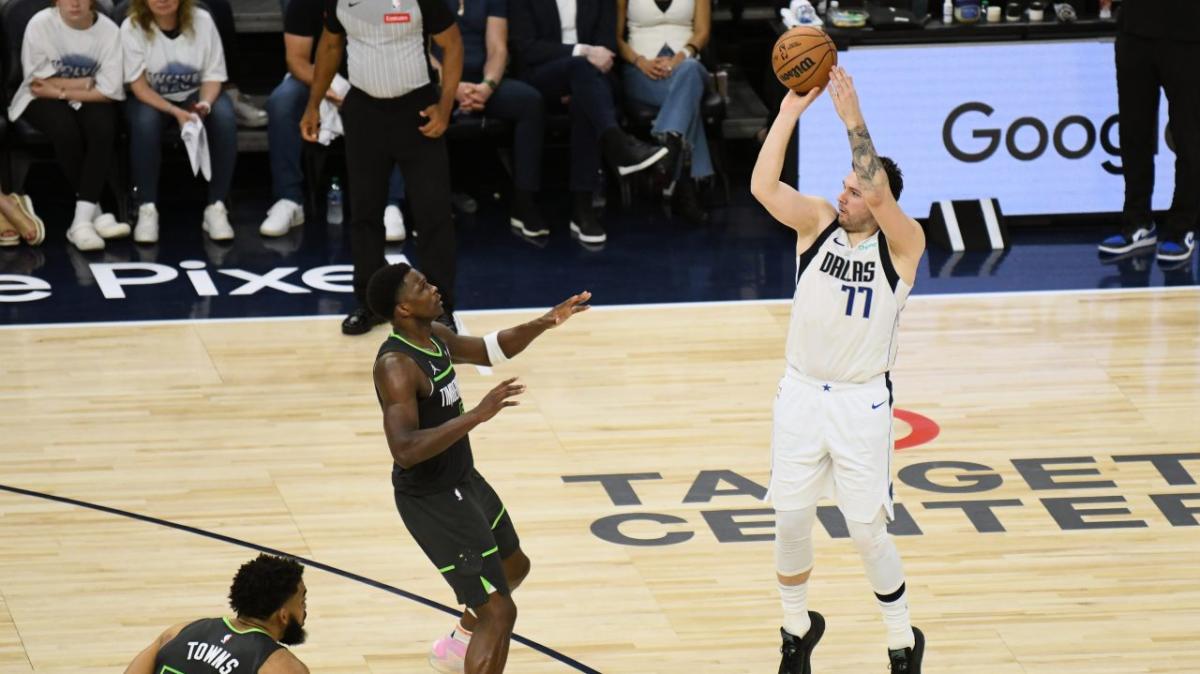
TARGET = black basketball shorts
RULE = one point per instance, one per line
(465, 532)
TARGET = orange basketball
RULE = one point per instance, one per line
(802, 58)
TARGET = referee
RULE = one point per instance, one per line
(392, 115)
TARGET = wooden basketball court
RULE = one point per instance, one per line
(1071, 419)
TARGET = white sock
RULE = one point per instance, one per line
(85, 212)
(896, 619)
(460, 634)
(795, 608)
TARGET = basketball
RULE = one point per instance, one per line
(802, 58)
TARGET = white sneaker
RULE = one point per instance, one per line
(216, 222)
(146, 229)
(393, 224)
(108, 228)
(247, 114)
(283, 216)
(83, 235)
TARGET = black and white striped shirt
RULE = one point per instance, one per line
(385, 41)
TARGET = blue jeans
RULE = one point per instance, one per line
(146, 127)
(677, 98)
(285, 107)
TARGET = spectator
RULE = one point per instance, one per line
(1157, 47)
(18, 222)
(248, 115)
(71, 60)
(565, 50)
(175, 66)
(302, 24)
(662, 69)
(485, 90)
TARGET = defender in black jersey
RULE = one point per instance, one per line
(447, 506)
(268, 596)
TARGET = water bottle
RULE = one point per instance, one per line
(333, 203)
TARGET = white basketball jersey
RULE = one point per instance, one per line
(846, 309)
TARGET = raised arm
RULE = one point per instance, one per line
(399, 382)
(801, 212)
(510, 341)
(906, 240)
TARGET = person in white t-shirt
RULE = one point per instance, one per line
(71, 60)
(175, 66)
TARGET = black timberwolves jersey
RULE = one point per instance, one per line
(214, 646)
(448, 469)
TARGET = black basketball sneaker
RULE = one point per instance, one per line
(797, 651)
(908, 660)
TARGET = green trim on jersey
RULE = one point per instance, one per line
(443, 374)
(446, 569)
(421, 349)
(167, 669)
(490, 552)
(497, 520)
(237, 631)
(487, 587)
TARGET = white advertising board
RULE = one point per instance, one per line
(1033, 124)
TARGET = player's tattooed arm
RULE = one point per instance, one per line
(871, 176)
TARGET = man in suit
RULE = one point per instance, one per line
(565, 48)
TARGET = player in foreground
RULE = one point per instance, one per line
(832, 435)
(450, 510)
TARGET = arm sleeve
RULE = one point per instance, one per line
(110, 77)
(214, 53)
(435, 15)
(35, 60)
(606, 32)
(524, 42)
(133, 51)
(304, 18)
(331, 21)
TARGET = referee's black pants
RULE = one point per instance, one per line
(1144, 65)
(381, 133)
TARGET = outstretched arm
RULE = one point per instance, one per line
(511, 341)
(800, 212)
(905, 238)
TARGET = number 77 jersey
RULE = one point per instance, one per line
(846, 309)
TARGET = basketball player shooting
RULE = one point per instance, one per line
(832, 432)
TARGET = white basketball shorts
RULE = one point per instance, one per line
(832, 440)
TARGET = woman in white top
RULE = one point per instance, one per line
(175, 66)
(660, 42)
(71, 60)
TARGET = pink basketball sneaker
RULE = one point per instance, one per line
(447, 655)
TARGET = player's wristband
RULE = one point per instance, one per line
(495, 353)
